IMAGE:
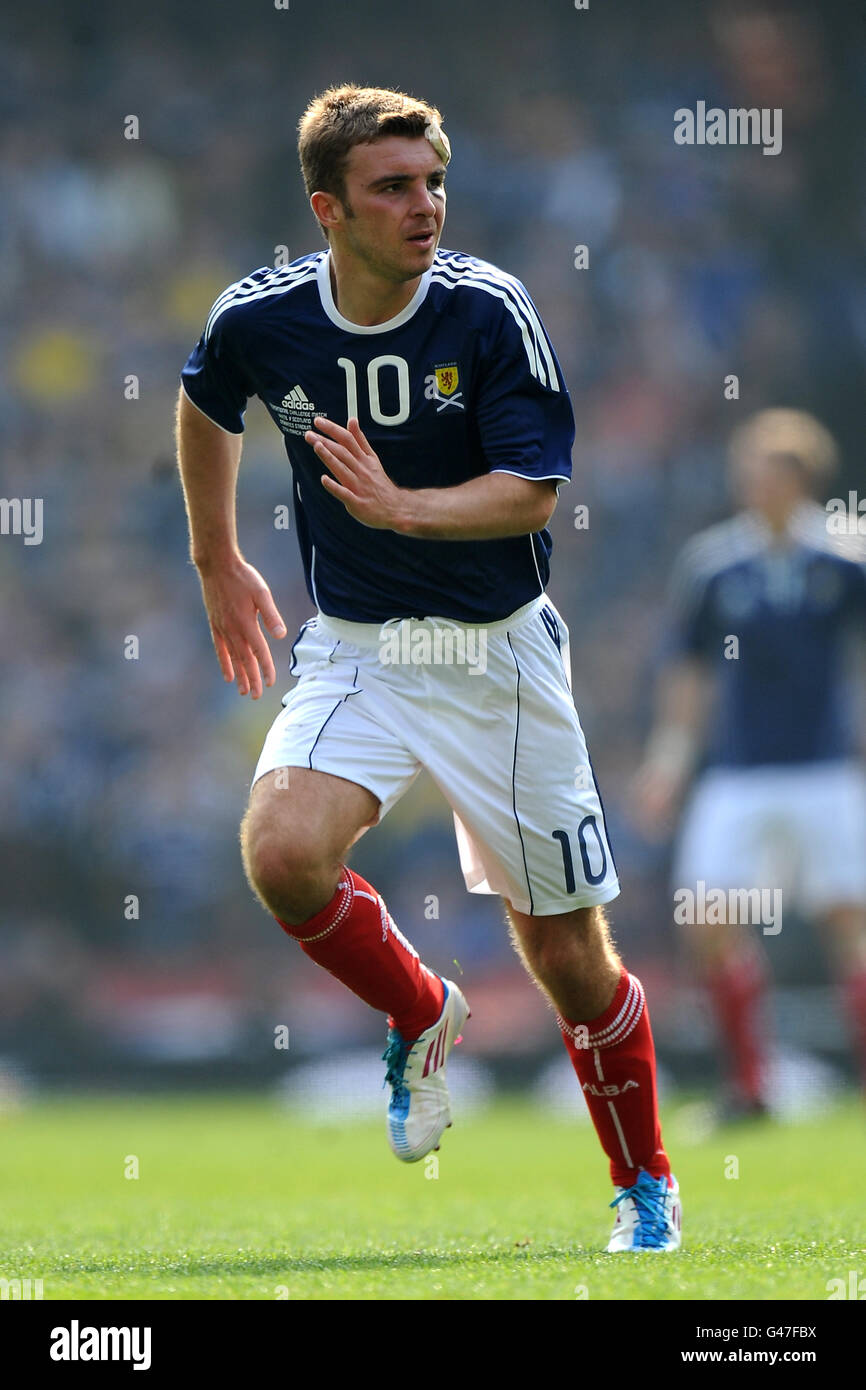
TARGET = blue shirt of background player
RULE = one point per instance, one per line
(785, 697)
(462, 382)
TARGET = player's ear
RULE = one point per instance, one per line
(326, 208)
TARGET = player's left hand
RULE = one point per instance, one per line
(359, 481)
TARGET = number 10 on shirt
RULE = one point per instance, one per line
(374, 367)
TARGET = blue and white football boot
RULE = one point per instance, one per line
(649, 1215)
(420, 1112)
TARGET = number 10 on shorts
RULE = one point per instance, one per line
(589, 842)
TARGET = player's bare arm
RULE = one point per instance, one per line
(235, 594)
(485, 508)
(682, 707)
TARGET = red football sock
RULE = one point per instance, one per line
(355, 939)
(738, 989)
(854, 993)
(615, 1063)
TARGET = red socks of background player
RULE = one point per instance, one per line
(854, 995)
(738, 989)
(355, 939)
(615, 1063)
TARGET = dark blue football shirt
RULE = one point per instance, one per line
(784, 698)
(462, 382)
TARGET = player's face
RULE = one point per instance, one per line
(768, 483)
(395, 206)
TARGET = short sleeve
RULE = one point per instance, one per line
(213, 379)
(523, 410)
(690, 627)
(857, 591)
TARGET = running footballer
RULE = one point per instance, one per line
(428, 428)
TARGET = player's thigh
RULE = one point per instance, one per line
(830, 802)
(720, 842)
(298, 813)
(511, 759)
(734, 829)
(333, 761)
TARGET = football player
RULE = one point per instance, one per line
(754, 692)
(428, 429)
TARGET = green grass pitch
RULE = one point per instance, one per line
(239, 1199)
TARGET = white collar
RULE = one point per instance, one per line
(323, 277)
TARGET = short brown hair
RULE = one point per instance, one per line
(342, 117)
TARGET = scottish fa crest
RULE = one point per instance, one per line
(442, 386)
(447, 379)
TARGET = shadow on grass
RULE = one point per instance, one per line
(366, 1262)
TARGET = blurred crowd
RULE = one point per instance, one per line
(124, 770)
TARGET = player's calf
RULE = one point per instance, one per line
(299, 826)
(570, 955)
(606, 1029)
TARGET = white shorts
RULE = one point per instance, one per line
(800, 827)
(495, 727)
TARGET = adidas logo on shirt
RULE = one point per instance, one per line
(296, 411)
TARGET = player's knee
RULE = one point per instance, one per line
(287, 870)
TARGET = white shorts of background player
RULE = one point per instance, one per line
(800, 827)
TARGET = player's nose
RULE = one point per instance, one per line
(424, 203)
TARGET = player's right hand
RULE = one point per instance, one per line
(235, 596)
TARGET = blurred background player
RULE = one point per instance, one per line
(780, 801)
